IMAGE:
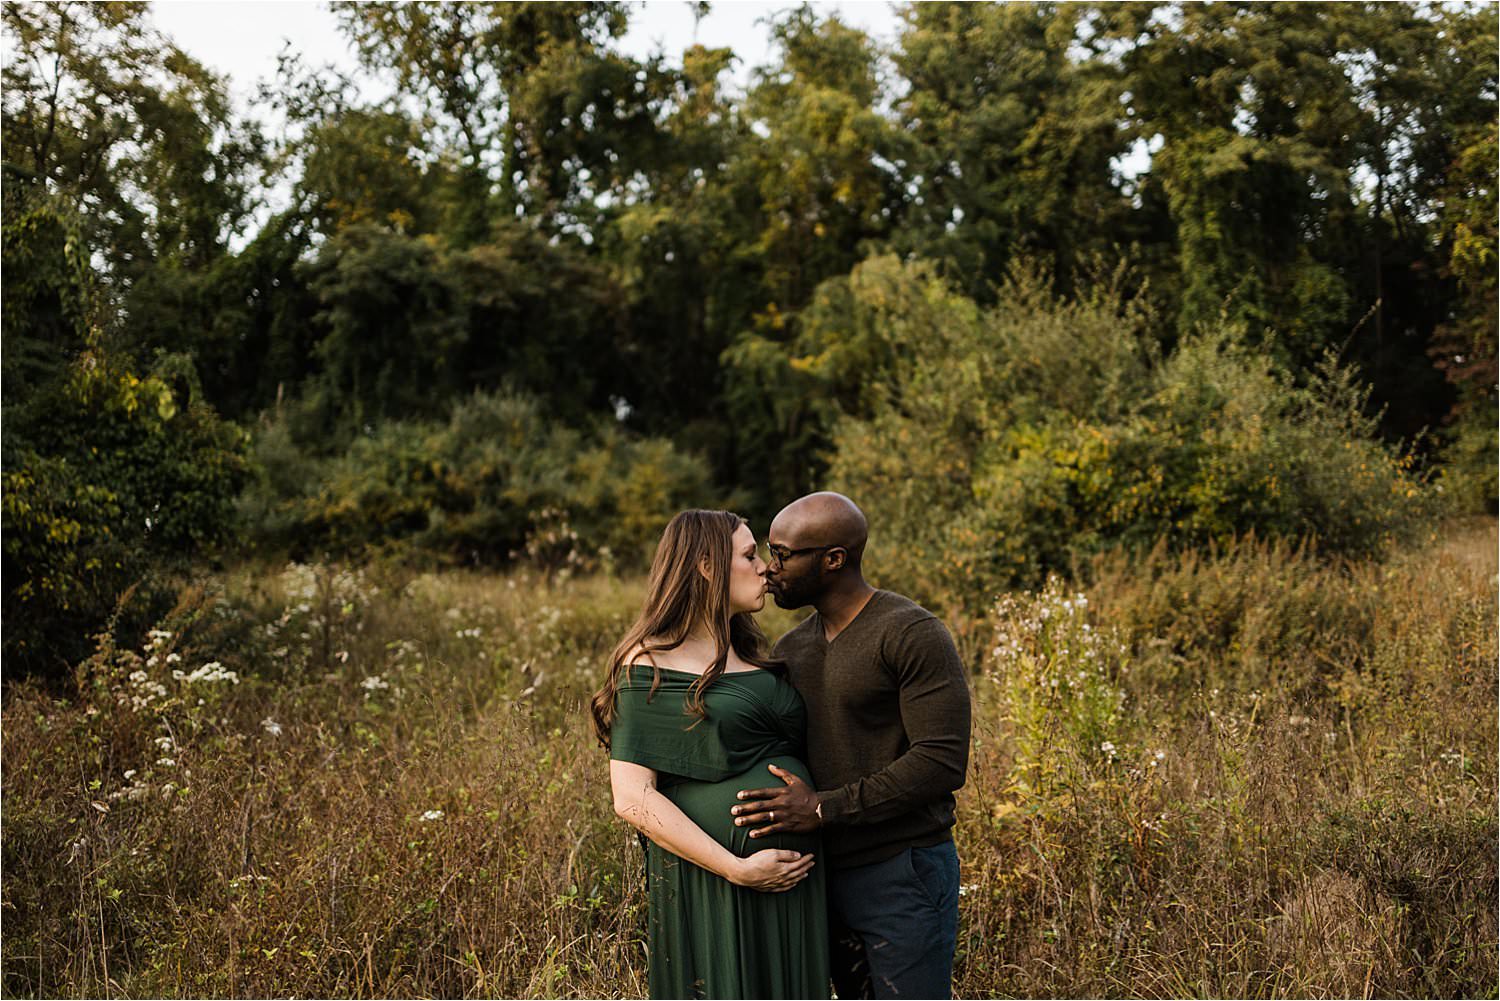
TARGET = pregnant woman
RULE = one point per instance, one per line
(692, 711)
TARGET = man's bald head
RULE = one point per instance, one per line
(823, 519)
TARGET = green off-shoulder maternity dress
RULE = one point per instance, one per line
(707, 937)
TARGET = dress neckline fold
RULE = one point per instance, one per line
(699, 674)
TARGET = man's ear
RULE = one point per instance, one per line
(835, 558)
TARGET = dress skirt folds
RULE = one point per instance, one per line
(708, 938)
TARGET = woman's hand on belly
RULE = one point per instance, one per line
(773, 870)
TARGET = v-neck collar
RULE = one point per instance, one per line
(823, 633)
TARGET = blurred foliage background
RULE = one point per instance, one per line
(556, 292)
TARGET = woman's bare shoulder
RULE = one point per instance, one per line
(639, 654)
(655, 653)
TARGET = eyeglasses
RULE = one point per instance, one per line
(778, 555)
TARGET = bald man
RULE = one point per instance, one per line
(887, 744)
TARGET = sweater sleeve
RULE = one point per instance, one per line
(935, 708)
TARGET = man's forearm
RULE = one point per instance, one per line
(917, 778)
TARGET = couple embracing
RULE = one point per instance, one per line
(796, 804)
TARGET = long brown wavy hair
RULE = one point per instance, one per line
(680, 600)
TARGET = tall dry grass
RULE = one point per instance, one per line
(1240, 773)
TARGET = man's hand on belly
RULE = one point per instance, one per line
(792, 808)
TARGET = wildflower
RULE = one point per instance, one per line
(374, 683)
(212, 671)
(271, 726)
(1108, 748)
(173, 658)
(166, 762)
(129, 773)
(967, 888)
(432, 815)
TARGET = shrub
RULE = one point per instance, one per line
(1004, 445)
(497, 481)
(117, 482)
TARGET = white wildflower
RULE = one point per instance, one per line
(271, 726)
(432, 815)
(212, 671)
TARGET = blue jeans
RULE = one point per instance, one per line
(894, 925)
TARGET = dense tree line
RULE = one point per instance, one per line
(658, 270)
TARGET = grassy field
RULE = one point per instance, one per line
(1239, 773)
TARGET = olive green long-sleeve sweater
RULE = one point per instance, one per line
(888, 714)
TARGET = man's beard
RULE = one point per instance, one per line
(798, 593)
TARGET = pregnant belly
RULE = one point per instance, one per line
(707, 804)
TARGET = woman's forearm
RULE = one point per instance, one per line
(639, 803)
